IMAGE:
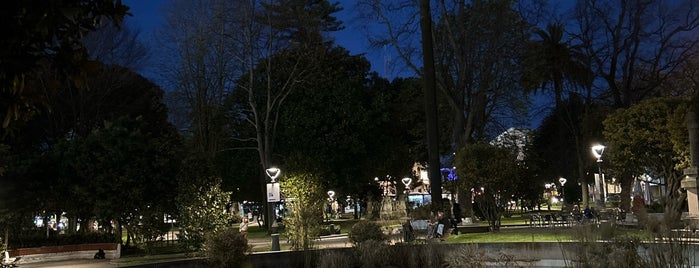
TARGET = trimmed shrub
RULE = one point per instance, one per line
(365, 231)
(226, 248)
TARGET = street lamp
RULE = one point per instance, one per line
(273, 173)
(273, 196)
(406, 181)
(548, 194)
(331, 194)
(597, 151)
(563, 189)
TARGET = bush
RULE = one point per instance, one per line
(655, 207)
(421, 213)
(335, 259)
(365, 231)
(226, 248)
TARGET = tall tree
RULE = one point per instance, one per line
(429, 83)
(478, 47)
(201, 69)
(634, 45)
(70, 150)
(334, 119)
(120, 46)
(650, 138)
(45, 35)
(491, 172)
(303, 22)
(270, 33)
(553, 60)
(562, 143)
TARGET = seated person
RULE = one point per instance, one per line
(100, 254)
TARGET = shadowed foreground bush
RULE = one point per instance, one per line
(227, 248)
(364, 231)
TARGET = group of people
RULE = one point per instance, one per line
(439, 227)
(588, 214)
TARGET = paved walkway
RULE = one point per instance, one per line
(73, 263)
(332, 241)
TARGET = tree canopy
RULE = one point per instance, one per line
(490, 172)
(45, 35)
(650, 138)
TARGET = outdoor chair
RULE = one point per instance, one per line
(548, 220)
(431, 231)
(420, 227)
(565, 220)
(535, 220)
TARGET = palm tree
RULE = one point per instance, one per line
(550, 59)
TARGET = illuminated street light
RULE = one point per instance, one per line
(563, 189)
(273, 173)
(273, 196)
(406, 181)
(597, 151)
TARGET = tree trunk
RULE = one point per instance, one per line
(626, 190)
(429, 87)
(585, 192)
(117, 231)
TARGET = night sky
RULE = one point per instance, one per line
(148, 16)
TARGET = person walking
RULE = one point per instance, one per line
(243, 228)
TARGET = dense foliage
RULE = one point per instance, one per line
(202, 210)
(650, 138)
(305, 199)
(226, 248)
(490, 173)
(364, 231)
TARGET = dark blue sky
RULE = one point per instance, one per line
(148, 17)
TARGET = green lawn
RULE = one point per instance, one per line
(149, 259)
(530, 235)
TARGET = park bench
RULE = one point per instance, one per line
(534, 220)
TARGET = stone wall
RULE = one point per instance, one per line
(66, 252)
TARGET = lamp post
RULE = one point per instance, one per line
(406, 181)
(563, 189)
(548, 195)
(597, 151)
(273, 196)
(331, 194)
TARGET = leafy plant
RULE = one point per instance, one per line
(364, 231)
(226, 248)
(202, 210)
(305, 200)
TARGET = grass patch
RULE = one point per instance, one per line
(345, 225)
(531, 235)
(151, 259)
